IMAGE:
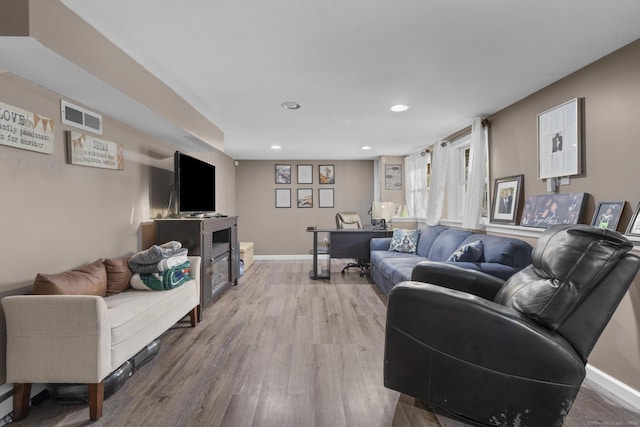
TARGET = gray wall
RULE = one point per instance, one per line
(611, 91)
(281, 231)
(54, 216)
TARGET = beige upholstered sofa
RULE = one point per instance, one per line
(83, 338)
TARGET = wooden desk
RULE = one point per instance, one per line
(343, 243)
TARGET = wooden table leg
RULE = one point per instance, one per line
(96, 400)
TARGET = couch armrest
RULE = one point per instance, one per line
(57, 339)
(380, 243)
(451, 276)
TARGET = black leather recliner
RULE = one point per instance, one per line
(507, 353)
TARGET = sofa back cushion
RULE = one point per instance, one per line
(90, 279)
(446, 243)
(503, 250)
(428, 235)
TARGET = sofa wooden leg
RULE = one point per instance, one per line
(21, 396)
(96, 400)
(193, 316)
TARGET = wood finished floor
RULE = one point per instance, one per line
(281, 350)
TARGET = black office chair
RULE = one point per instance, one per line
(351, 220)
(515, 355)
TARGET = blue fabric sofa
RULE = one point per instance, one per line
(502, 256)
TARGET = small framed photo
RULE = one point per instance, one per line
(283, 174)
(327, 174)
(325, 197)
(283, 197)
(305, 174)
(305, 197)
(507, 193)
(607, 215)
(634, 226)
(545, 210)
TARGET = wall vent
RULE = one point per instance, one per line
(79, 117)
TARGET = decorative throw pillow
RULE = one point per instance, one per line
(118, 275)
(404, 241)
(471, 252)
(90, 279)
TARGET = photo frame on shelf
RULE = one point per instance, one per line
(633, 229)
(545, 210)
(283, 197)
(325, 198)
(305, 197)
(507, 193)
(326, 174)
(607, 215)
(283, 174)
(393, 177)
(560, 140)
(305, 174)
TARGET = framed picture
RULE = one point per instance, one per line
(393, 177)
(506, 199)
(283, 197)
(305, 197)
(546, 210)
(305, 174)
(634, 226)
(607, 215)
(327, 174)
(325, 197)
(283, 174)
(559, 140)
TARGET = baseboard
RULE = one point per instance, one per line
(6, 394)
(616, 388)
(287, 257)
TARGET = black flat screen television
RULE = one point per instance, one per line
(195, 185)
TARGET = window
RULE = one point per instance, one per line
(458, 174)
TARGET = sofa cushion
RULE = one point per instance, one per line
(89, 279)
(118, 275)
(427, 237)
(404, 241)
(471, 252)
(446, 243)
(503, 250)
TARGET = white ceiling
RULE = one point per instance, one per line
(347, 61)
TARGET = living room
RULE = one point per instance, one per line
(58, 216)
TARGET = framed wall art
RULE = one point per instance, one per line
(305, 174)
(634, 226)
(283, 174)
(546, 210)
(325, 198)
(393, 177)
(507, 193)
(283, 197)
(559, 140)
(607, 215)
(326, 174)
(305, 197)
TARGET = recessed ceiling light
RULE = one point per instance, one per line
(276, 147)
(399, 108)
(366, 147)
(290, 105)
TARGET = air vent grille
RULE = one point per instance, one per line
(79, 117)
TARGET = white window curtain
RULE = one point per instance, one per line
(472, 213)
(416, 192)
(439, 163)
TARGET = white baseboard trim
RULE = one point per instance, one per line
(615, 387)
(287, 257)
